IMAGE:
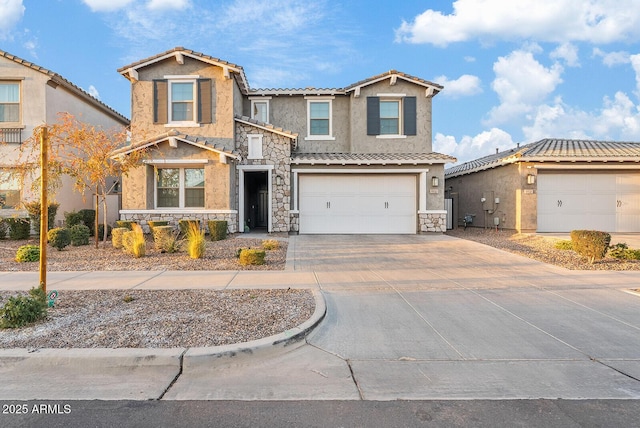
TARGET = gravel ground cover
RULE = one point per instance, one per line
(540, 248)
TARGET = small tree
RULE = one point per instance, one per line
(82, 152)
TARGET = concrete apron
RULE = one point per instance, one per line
(408, 317)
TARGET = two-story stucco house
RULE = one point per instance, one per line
(357, 159)
(31, 96)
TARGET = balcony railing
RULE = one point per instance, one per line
(11, 135)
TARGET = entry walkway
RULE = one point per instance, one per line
(408, 317)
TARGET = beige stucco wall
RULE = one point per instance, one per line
(223, 93)
(41, 103)
(139, 183)
(517, 209)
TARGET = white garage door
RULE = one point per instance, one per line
(355, 203)
(607, 202)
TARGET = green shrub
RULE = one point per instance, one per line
(591, 244)
(195, 240)
(251, 257)
(28, 253)
(89, 219)
(72, 218)
(79, 235)
(155, 223)
(59, 238)
(21, 310)
(33, 208)
(165, 239)
(116, 236)
(217, 229)
(133, 241)
(183, 226)
(623, 252)
(127, 224)
(270, 244)
(564, 244)
(19, 228)
(3, 228)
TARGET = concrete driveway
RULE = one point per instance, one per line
(435, 317)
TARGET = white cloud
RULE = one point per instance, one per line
(168, 4)
(635, 63)
(465, 85)
(521, 83)
(106, 5)
(11, 12)
(470, 148)
(560, 21)
(470, 58)
(611, 59)
(567, 52)
(93, 92)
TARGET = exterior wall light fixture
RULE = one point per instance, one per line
(435, 181)
(531, 179)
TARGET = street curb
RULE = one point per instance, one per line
(121, 357)
(283, 342)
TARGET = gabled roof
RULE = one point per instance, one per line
(554, 150)
(131, 71)
(57, 79)
(174, 135)
(266, 126)
(370, 158)
(431, 88)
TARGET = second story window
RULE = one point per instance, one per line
(260, 110)
(319, 118)
(9, 102)
(389, 117)
(182, 101)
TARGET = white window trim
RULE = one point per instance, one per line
(171, 79)
(398, 98)
(329, 137)
(264, 100)
(255, 141)
(181, 188)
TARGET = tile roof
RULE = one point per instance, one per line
(266, 126)
(553, 150)
(370, 158)
(197, 140)
(58, 79)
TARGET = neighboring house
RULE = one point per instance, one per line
(350, 160)
(552, 185)
(31, 96)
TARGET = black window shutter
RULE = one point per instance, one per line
(409, 108)
(204, 101)
(373, 116)
(160, 101)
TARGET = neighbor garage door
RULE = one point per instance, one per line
(608, 202)
(357, 203)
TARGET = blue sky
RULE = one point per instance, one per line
(514, 71)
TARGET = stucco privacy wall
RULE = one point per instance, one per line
(220, 131)
(517, 208)
(276, 151)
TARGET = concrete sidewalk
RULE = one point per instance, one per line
(407, 317)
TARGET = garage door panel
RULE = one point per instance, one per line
(376, 203)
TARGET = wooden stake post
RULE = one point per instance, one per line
(44, 206)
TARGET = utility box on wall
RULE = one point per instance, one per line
(488, 201)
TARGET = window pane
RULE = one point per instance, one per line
(319, 110)
(169, 177)
(9, 93)
(182, 91)
(260, 112)
(389, 127)
(319, 127)
(182, 111)
(9, 113)
(194, 177)
(168, 198)
(194, 197)
(389, 109)
(9, 191)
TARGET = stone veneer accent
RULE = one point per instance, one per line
(294, 222)
(142, 217)
(432, 221)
